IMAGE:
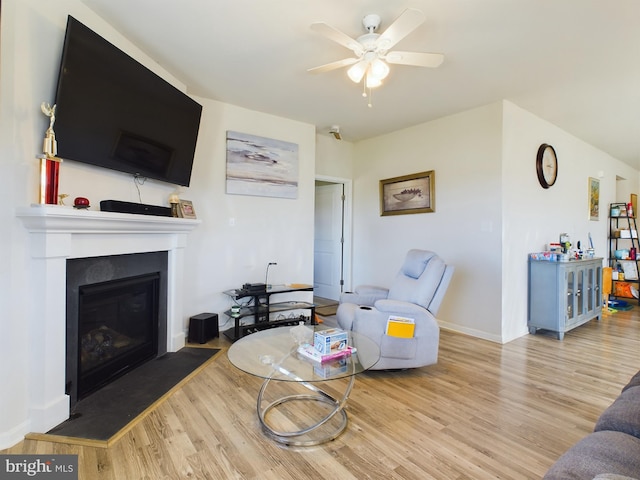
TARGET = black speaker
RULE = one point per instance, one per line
(203, 327)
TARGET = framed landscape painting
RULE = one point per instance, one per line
(413, 193)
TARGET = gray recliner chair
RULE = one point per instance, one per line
(416, 292)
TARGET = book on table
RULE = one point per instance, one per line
(309, 351)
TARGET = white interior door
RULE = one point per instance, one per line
(328, 243)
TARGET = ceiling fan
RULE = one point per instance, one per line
(371, 50)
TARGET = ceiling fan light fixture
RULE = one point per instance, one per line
(373, 82)
(379, 69)
(357, 71)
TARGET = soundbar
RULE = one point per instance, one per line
(137, 208)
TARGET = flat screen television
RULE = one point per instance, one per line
(113, 112)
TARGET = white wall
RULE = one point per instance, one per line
(465, 229)
(219, 256)
(334, 158)
(534, 216)
(491, 211)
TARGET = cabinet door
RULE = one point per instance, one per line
(597, 287)
(569, 285)
(580, 292)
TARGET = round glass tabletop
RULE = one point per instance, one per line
(273, 354)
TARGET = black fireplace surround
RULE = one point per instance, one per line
(116, 317)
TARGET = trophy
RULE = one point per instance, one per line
(49, 163)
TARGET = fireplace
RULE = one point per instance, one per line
(116, 317)
(60, 234)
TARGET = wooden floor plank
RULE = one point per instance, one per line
(484, 411)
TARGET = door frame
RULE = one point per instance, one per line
(347, 224)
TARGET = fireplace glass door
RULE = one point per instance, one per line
(117, 329)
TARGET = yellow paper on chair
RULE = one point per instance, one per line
(400, 327)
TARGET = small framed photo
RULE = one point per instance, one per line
(186, 209)
(413, 193)
(594, 198)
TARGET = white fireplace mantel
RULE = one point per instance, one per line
(58, 233)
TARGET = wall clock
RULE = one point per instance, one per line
(547, 165)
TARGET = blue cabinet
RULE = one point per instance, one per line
(564, 295)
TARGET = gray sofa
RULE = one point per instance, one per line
(612, 451)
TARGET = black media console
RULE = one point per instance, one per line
(256, 313)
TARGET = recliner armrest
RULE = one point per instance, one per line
(398, 307)
(365, 295)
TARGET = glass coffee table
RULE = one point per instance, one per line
(308, 402)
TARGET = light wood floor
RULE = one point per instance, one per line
(484, 411)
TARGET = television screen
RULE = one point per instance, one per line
(114, 112)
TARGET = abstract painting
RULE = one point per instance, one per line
(261, 166)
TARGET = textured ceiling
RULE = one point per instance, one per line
(574, 63)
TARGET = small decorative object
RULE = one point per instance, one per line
(301, 334)
(186, 209)
(61, 198)
(81, 202)
(174, 201)
(49, 163)
(594, 198)
(413, 193)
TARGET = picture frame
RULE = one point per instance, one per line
(594, 198)
(634, 205)
(414, 193)
(186, 209)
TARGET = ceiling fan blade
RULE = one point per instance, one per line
(333, 65)
(418, 59)
(406, 23)
(337, 36)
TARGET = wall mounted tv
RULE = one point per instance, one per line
(113, 112)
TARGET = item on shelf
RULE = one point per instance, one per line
(621, 254)
(565, 242)
(81, 202)
(174, 202)
(555, 247)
